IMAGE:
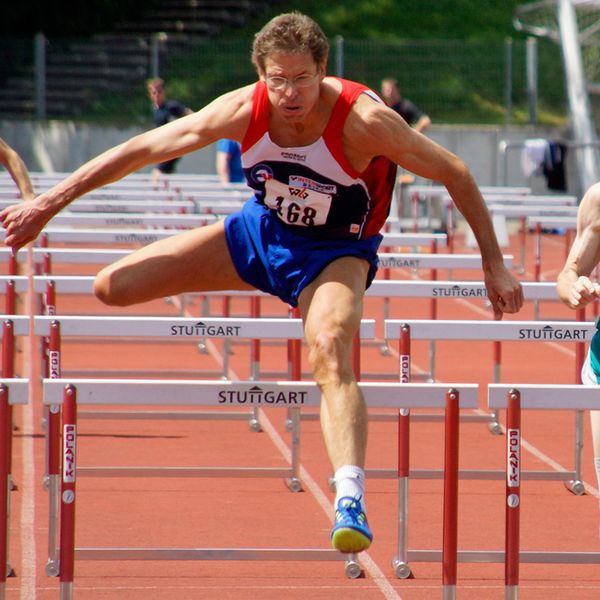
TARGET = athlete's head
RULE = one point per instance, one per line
(156, 90)
(290, 33)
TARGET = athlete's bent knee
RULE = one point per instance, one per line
(326, 356)
(106, 289)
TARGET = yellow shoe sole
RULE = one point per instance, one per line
(349, 540)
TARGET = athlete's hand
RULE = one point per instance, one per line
(23, 222)
(504, 291)
(581, 293)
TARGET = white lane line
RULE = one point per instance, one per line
(28, 574)
(28, 491)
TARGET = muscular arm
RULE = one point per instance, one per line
(374, 129)
(574, 285)
(17, 169)
(227, 116)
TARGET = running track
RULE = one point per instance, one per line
(251, 512)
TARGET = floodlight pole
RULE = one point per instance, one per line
(579, 106)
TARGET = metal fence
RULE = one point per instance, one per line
(102, 79)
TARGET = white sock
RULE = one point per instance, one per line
(597, 466)
(350, 481)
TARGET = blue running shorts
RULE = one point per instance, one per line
(277, 261)
(590, 372)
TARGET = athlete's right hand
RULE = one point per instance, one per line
(582, 292)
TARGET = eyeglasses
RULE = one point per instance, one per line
(277, 83)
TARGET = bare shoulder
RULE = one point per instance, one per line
(228, 115)
(588, 214)
(373, 129)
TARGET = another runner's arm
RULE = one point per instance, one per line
(574, 286)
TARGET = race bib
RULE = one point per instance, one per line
(297, 205)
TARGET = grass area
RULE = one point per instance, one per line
(450, 57)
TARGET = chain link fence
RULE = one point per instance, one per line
(103, 79)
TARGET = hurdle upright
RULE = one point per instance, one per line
(12, 392)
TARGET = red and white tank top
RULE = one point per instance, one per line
(313, 189)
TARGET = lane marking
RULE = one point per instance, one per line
(28, 576)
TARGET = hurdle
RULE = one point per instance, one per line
(12, 392)
(174, 328)
(67, 394)
(530, 331)
(515, 398)
(458, 289)
(539, 223)
(432, 261)
(523, 211)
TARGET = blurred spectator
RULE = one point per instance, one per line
(165, 111)
(414, 116)
(229, 161)
(17, 169)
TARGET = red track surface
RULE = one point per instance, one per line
(251, 512)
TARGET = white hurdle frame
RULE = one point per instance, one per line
(65, 394)
(54, 328)
(518, 331)
(515, 398)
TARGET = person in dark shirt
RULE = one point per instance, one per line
(415, 117)
(165, 111)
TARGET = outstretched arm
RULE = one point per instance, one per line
(227, 116)
(17, 169)
(377, 130)
(574, 286)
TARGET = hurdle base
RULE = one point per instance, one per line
(575, 486)
(401, 569)
(498, 556)
(52, 568)
(352, 567)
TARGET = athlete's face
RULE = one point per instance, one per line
(293, 83)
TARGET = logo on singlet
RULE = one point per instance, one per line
(293, 156)
(311, 184)
(261, 173)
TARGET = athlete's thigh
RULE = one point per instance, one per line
(334, 300)
(194, 260)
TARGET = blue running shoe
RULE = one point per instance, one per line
(350, 531)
